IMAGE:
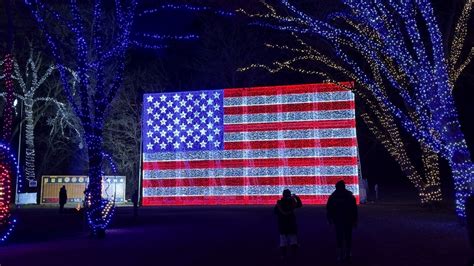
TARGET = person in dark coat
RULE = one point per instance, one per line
(342, 213)
(287, 227)
(135, 203)
(62, 198)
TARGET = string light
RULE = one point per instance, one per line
(8, 171)
(9, 88)
(415, 68)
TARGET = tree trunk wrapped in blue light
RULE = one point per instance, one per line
(401, 47)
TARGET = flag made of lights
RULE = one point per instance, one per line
(244, 146)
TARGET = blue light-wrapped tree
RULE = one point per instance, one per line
(89, 44)
(394, 49)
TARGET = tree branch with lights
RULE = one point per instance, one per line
(381, 47)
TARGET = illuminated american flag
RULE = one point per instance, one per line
(244, 146)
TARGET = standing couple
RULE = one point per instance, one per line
(341, 212)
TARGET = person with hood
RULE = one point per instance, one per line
(287, 227)
(342, 213)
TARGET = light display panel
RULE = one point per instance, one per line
(244, 146)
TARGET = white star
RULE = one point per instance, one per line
(203, 120)
(149, 146)
(203, 108)
(169, 139)
(217, 143)
(189, 96)
(189, 144)
(176, 121)
(149, 134)
(156, 116)
(149, 99)
(169, 115)
(216, 131)
(203, 144)
(210, 138)
(176, 132)
(156, 128)
(163, 109)
(210, 113)
(156, 139)
(176, 145)
(203, 131)
(182, 102)
(189, 120)
(176, 109)
(189, 132)
(210, 101)
(163, 122)
(163, 98)
(196, 138)
(210, 125)
(216, 95)
(183, 114)
(169, 127)
(217, 119)
(149, 122)
(176, 97)
(163, 145)
(169, 103)
(196, 102)
(216, 107)
(149, 110)
(196, 114)
(203, 95)
(196, 126)
(189, 108)
(182, 127)
(156, 104)
(162, 133)
(182, 138)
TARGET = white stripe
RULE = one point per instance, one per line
(289, 116)
(289, 98)
(291, 134)
(250, 154)
(252, 171)
(242, 190)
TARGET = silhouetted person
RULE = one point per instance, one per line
(287, 227)
(135, 203)
(62, 198)
(342, 212)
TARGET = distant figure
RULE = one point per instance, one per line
(62, 198)
(342, 212)
(470, 219)
(135, 203)
(287, 227)
(377, 195)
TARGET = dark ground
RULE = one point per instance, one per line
(388, 234)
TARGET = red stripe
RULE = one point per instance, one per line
(284, 108)
(289, 89)
(249, 181)
(238, 163)
(297, 125)
(230, 200)
(297, 143)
